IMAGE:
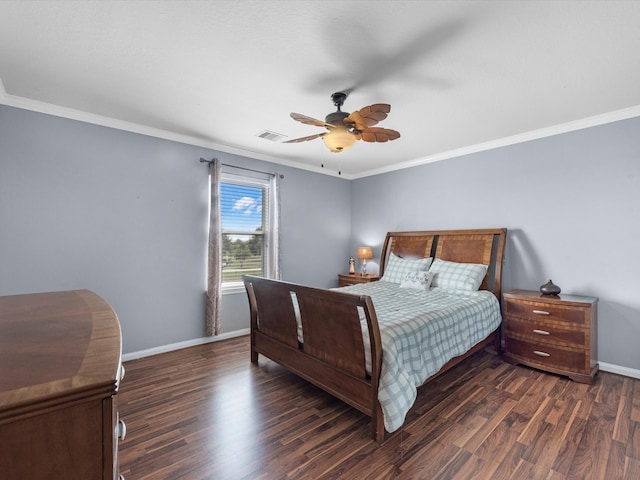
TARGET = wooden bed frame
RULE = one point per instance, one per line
(332, 356)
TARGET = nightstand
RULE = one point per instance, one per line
(554, 333)
(354, 278)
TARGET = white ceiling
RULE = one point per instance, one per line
(461, 76)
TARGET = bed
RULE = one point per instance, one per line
(373, 344)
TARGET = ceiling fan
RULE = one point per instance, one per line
(343, 129)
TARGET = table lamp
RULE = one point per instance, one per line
(364, 254)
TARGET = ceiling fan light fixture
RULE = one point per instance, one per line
(345, 128)
(339, 139)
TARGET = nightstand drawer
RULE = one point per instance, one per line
(546, 332)
(345, 280)
(545, 312)
(548, 356)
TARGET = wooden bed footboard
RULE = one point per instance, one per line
(332, 353)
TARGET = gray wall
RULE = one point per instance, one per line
(125, 215)
(572, 206)
(83, 206)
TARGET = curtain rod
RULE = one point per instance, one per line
(203, 160)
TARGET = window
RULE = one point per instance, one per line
(249, 231)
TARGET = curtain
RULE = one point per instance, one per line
(274, 227)
(213, 321)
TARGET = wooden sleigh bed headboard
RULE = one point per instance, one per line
(484, 247)
(332, 354)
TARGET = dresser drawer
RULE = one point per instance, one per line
(547, 355)
(544, 312)
(545, 332)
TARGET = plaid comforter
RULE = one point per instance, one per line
(421, 331)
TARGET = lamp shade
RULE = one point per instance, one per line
(339, 140)
(365, 253)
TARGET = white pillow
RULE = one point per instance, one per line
(419, 280)
(398, 267)
(457, 276)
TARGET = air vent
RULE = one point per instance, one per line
(273, 136)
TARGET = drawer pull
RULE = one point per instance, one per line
(541, 312)
(122, 372)
(541, 354)
(541, 332)
(121, 430)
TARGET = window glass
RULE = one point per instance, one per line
(244, 222)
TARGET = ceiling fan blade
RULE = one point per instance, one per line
(360, 68)
(306, 139)
(369, 116)
(310, 121)
(377, 134)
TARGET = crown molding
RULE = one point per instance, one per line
(82, 116)
(581, 124)
(47, 108)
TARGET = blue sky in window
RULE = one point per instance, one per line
(240, 207)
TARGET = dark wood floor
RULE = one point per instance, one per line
(207, 413)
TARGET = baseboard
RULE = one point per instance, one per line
(605, 367)
(188, 343)
(626, 371)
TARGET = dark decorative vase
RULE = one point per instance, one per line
(550, 288)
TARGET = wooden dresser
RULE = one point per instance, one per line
(553, 333)
(60, 368)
